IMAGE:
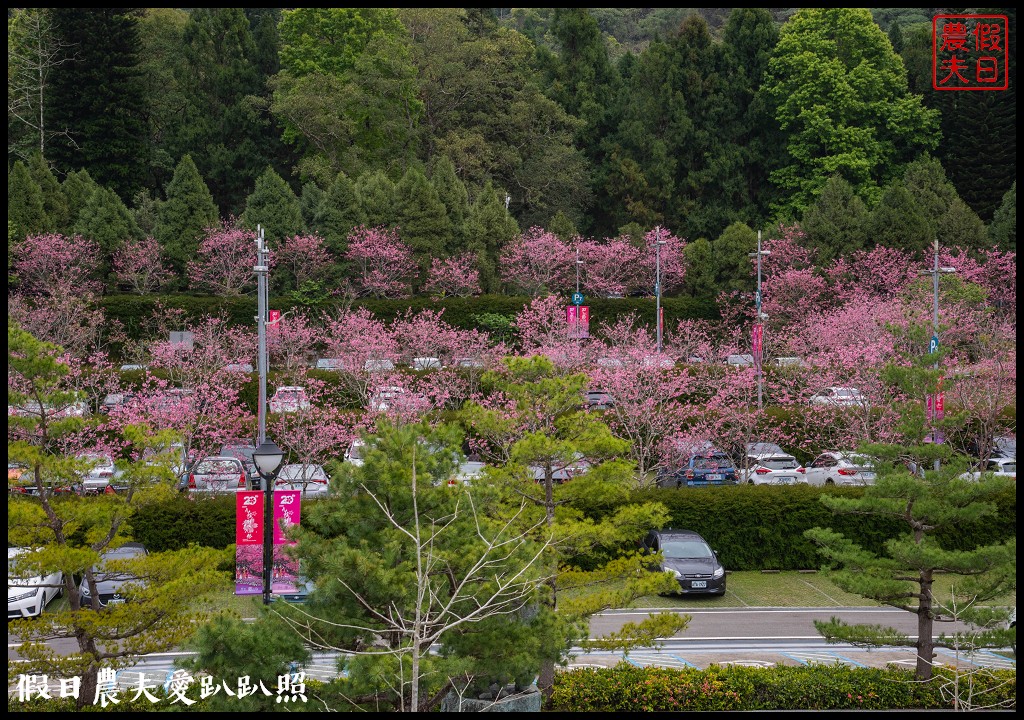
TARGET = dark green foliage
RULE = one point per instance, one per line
(105, 219)
(1003, 230)
(337, 214)
(273, 205)
(182, 521)
(376, 196)
(734, 269)
(184, 217)
(97, 97)
(309, 201)
(562, 227)
(898, 223)
(488, 228)
(452, 192)
(422, 217)
(835, 223)
(700, 270)
(77, 186)
(627, 688)
(25, 213)
(55, 205)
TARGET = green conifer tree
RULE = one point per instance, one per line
(273, 206)
(309, 201)
(55, 205)
(338, 213)
(106, 220)
(422, 217)
(562, 227)
(898, 222)
(452, 192)
(1003, 230)
(77, 186)
(733, 269)
(489, 227)
(25, 213)
(700, 269)
(185, 215)
(376, 196)
(835, 223)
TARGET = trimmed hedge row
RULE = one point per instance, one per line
(132, 311)
(754, 527)
(627, 688)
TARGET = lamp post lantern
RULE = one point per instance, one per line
(934, 344)
(267, 458)
(657, 284)
(761, 317)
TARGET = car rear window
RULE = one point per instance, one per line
(780, 463)
(218, 467)
(712, 463)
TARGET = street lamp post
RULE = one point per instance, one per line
(761, 317)
(934, 345)
(262, 271)
(267, 458)
(657, 285)
(578, 263)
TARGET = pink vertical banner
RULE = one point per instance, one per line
(273, 320)
(757, 343)
(583, 321)
(287, 512)
(571, 319)
(249, 543)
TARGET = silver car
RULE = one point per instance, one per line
(218, 475)
(310, 480)
(840, 468)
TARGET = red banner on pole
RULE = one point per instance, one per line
(285, 573)
(757, 343)
(273, 320)
(249, 543)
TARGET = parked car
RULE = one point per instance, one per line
(176, 454)
(239, 367)
(243, 450)
(303, 587)
(426, 363)
(788, 362)
(468, 471)
(110, 581)
(607, 362)
(115, 400)
(288, 399)
(101, 473)
(385, 397)
(329, 364)
(133, 367)
(708, 467)
(599, 400)
(356, 452)
(1004, 446)
(375, 365)
(840, 397)
(579, 466)
(688, 556)
(33, 409)
(1002, 467)
(840, 468)
(27, 592)
(310, 480)
(215, 474)
(660, 361)
(769, 464)
(740, 360)
(469, 362)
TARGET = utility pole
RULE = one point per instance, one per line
(262, 270)
(759, 325)
(933, 346)
(658, 242)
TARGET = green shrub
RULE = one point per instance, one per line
(185, 520)
(628, 688)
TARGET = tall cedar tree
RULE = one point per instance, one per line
(55, 205)
(97, 96)
(25, 213)
(422, 217)
(78, 187)
(1003, 231)
(185, 215)
(339, 211)
(108, 222)
(376, 195)
(274, 206)
(836, 223)
(452, 192)
(489, 228)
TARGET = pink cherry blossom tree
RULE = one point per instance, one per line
(363, 347)
(611, 267)
(456, 276)
(225, 261)
(543, 330)
(673, 262)
(537, 263)
(426, 335)
(304, 258)
(383, 264)
(66, 318)
(53, 264)
(292, 343)
(139, 266)
(215, 345)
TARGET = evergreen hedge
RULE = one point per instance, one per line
(626, 688)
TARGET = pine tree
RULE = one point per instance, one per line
(489, 227)
(1003, 230)
(422, 217)
(898, 223)
(78, 187)
(55, 205)
(309, 201)
(835, 223)
(98, 98)
(185, 215)
(452, 192)
(25, 213)
(733, 268)
(700, 269)
(275, 207)
(375, 194)
(338, 213)
(107, 221)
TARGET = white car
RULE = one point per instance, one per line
(740, 360)
(356, 452)
(310, 480)
(469, 362)
(426, 363)
(330, 364)
(385, 397)
(840, 468)
(101, 472)
(290, 398)
(607, 362)
(467, 472)
(28, 595)
(373, 365)
(561, 474)
(1001, 467)
(243, 367)
(769, 464)
(840, 397)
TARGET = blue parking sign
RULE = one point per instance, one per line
(577, 298)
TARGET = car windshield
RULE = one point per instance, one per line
(300, 472)
(356, 452)
(217, 467)
(239, 451)
(679, 549)
(711, 463)
(779, 463)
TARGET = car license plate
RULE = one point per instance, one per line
(868, 475)
(115, 601)
(788, 480)
(699, 584)
(714, 476)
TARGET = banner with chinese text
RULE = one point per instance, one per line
(249, 543)
(285, 575)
